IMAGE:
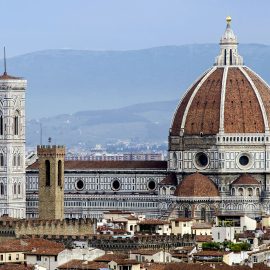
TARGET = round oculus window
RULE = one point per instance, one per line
(79, 184)
(244, 160)
(201, 160)
(116, 184)
(151, 185)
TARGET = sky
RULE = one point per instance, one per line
(31, 25)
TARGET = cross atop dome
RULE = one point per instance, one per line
(228, 48)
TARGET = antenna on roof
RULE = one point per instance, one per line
(5, 62)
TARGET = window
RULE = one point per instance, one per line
(174, 161)
(38, 257)
(17, 257)
(19, 160)
(14, 160)
(241, 191)
(19, 188)
(48, 173)
(1, 189)
(186, 212)
(176, 223)
(1, 257)
(1, 124)
(9, 257)
(16, 123)
(1, 159)
(59, 173)
(250, 192)
(14, 188)
(203, 214)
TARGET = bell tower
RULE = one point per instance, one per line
(51, 181)
(12, 145)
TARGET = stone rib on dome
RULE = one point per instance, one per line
(246, 104)
(196, 185)
(245, 179)
(228, 98)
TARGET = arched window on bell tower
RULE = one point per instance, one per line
(16, 123)
(59, 173)
(2, 191)
(48, 172)
(1, 124)
(2, 160)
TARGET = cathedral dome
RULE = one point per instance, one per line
(196, 185)
(227, 98)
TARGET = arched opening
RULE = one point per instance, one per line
(174, 161)
(225, 56)
(250, 192)
(131, 228)
(19, 189)
(16, 123)
(203, 214)
(59, 173)
(14, 160)
(172, 190)
(2, 189)
(48, 173)
(1, 159)
(230, 56)
(15, 189)
(241, 192)
(1, 124)
(186, 212)
(163, 191)
(233, 191)
(19, 160)
(257, 192)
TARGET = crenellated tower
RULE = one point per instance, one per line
(12, 146)
(51, 181)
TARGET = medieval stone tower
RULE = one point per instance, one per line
(12, 146)
(51, 181)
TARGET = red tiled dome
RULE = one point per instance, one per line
(232, 99)
(196, 185)
(245, 179)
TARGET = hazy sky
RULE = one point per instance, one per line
(31, 25)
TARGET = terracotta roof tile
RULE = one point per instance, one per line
(27, 245)
(110, 257)
(242, 109)
(245, 179)
(87, 165)
(176, 126)
(81, 264)
(170, 179)
(154, 222)
(203, 114)
(5, 76)
(196, 185)
(242, 113)
(203, 238)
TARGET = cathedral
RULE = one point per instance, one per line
(218, 154)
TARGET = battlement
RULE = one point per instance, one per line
(66, 227)
(51, 150)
